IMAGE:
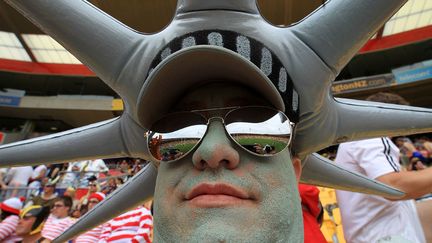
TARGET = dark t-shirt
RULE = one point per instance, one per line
(38, 200)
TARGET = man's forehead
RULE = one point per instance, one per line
(217, 95)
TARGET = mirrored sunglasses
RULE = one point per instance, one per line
(261, 131)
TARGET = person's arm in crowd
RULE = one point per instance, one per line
(415, 184)
(145, 227)
(55, 172)
(7, 227)
(2, 182)
(428, 146)
(9, 175)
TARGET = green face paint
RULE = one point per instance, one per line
(221, 193)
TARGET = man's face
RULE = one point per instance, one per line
(92, 202)
(124, 166)
(48, 189)
(92, 187)
(59, 209)
(219, 192)
(24, 225)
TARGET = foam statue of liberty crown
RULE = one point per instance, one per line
(301, 61)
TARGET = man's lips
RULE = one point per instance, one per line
(217, 195)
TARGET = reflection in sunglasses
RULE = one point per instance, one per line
(262, 131)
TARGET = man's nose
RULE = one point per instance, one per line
(216, 149)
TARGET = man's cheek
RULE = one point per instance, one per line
(274, 181)
(247, 169)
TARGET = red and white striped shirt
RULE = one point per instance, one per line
(7, 229)
(55, 227)
(134, 226)
(91, 236)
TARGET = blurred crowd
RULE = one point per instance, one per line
(28, 181)
(415, 154)
(39, 203)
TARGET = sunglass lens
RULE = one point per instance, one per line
(176, 135)
(261, 130)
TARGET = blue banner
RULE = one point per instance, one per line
(412, 75)
(9, 100)
(11, 97)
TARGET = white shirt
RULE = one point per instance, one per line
(38, 170)
(367, 218)
(94, 167)
(70, 175)
(19, 176)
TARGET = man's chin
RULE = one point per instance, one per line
(230, 219)
(221, 230)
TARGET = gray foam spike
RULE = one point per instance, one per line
(318, 170)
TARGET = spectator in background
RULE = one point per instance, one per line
(415, 164)
(405, 145)
(3, 186)
(71, 192)
(36, 180)
(18, 177)
(54, 170)
(93, 187)
(406, 149)
(94, 234)
(125, 170)
(111, 185)
(422, 145)
(10, 210)
(47, 197)
(71, 175)
(31, 222)
(58, 221)
(312, 214)
(138, 164)
(426, 143)
(132, 226)
(368, 218)
(92, 168)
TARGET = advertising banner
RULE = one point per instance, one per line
(11, 97)
(413, 75)
(2, 137)
(364, 83)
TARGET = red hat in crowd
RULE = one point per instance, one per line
(12, 205)
(98, 195)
